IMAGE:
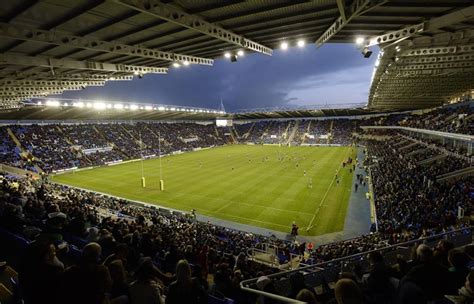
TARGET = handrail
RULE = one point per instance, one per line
(458, 136)
(246, 283)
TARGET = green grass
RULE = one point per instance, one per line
(269, 194)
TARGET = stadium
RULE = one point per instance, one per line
(163, 199)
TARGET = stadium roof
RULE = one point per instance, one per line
(51, 46)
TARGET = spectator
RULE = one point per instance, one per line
(427, 277)
(458, 270)
(40, 273)
(465, 293)
(145, 290)
(305, 295)
(347, 292)
(89, 281)
(185, 289)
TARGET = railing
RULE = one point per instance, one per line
(326, 272)
(456, 136)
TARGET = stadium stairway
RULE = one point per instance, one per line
(293, 131)
(265, 131)
(303, 137)
(18, 144)
(235, 132)
(234, 138)
(68, 140)
(102, 135)
(329, 140)
(137, 141)
(246, 135)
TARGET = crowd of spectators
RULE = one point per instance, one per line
(441, 275)
(137, 254)
(48, 146)
(329, 131)
(55, 147)
(50, 214)
(125, 249)
(398, 182)
(452, 119)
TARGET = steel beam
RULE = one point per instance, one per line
(357, 8)
(341, 6)
(436, 51)
(88, 43)
(447, 20)
(31, 93)
(433, 59)
(42, 61)
(31, 83)
(193, 22)
(40, 88)
(432, 66)
(64, 76)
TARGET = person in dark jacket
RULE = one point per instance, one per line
(89, 281)
(40, 273)
(185, 289)
(427, 278)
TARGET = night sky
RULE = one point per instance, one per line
(332, 74)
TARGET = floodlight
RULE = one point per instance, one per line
(133, 107)
(39, 103)
(89, 105)
(284, 45)
(136, 73)
(99, 105)
(65, 104)
(227, 55)
(176, 65)
(360, 40)
(186, 62)
(148, 108)
(53, 103)
(173, 109)
(118, 106)
(109, 106)
(366, 52)
(79, 104)
(301, 43)
(161, 108)
(240, 53)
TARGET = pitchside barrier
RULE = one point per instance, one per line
(322, 274)
(119, 162)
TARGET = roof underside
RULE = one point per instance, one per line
(47, 47)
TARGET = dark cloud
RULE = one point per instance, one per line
(295, 76)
